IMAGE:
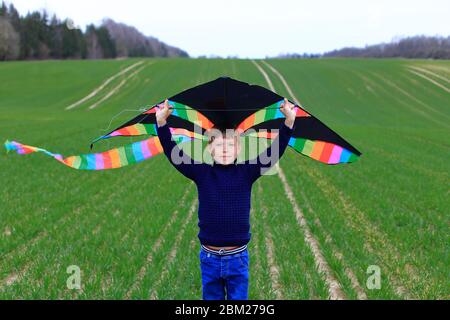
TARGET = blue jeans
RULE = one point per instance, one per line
(224, 275)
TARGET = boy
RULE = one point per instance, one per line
(224, 194)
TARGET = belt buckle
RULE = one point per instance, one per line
(221, 251)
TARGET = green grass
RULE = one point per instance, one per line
(390, 208)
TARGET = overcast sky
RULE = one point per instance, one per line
(256, 28)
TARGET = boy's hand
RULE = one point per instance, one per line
(287, 109)
(163, 111)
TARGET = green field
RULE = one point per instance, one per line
(135, 237)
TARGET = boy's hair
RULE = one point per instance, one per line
(222, 131)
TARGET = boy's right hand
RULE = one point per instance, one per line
(163, 111)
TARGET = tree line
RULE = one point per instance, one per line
(38, 36)
(416, 47)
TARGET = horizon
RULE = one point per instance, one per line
(357, 25)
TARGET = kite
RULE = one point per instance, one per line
(222, 103)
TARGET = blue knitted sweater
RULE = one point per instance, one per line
(224, 191)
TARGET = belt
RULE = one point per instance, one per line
(224, 252)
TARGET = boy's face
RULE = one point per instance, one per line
(224, 150)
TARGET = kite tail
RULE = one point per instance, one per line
(115, 158)
(325, 152)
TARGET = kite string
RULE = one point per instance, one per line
(119, 113)
(233, 110)
(236, 110)
(141, 109)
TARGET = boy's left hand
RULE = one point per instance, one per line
(287, 109)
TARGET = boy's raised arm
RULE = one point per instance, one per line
(273, 154)
(177, 157)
